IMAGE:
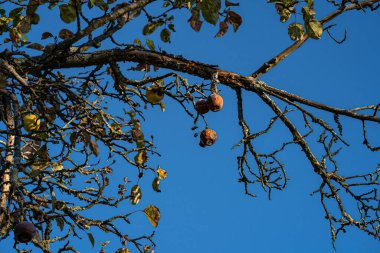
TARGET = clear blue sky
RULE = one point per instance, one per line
(203, 207)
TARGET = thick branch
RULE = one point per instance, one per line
(198, 69)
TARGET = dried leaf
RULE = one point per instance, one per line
(153, 214)
(91, 238)
(156, 184)
(162, 174)
(234, 19)
(135, 195)
(228, 3)
(223, 28)
(295, 31)
(94, 148)
(314, 29)
(60, 223)
(36, 46)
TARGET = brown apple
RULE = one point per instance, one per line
(215, 102)
(201, 106)
(207, 138)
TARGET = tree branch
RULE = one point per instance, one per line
(267, 66)
(202, 70)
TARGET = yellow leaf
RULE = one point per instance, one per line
(31, 122)
(135, 195)
(153, 214)
(162, 174)
(141, 157)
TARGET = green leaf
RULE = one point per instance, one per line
(91, 238)
(150, 44)
(90, 4)
(150, 28)
(210, 10)
(165, 35)
(67, 13)
(138, 42)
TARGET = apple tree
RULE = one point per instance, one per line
(60, 131)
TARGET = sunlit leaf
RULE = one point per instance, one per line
(56, 166)
(135, 195)
(162, 174)
(153, 214)
(141, 158)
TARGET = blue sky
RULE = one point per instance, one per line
(203, 207)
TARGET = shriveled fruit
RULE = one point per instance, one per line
(208, 137)
(31, 122)
(202, 106)
(155, 94)
(215, 102)
(24, 232)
